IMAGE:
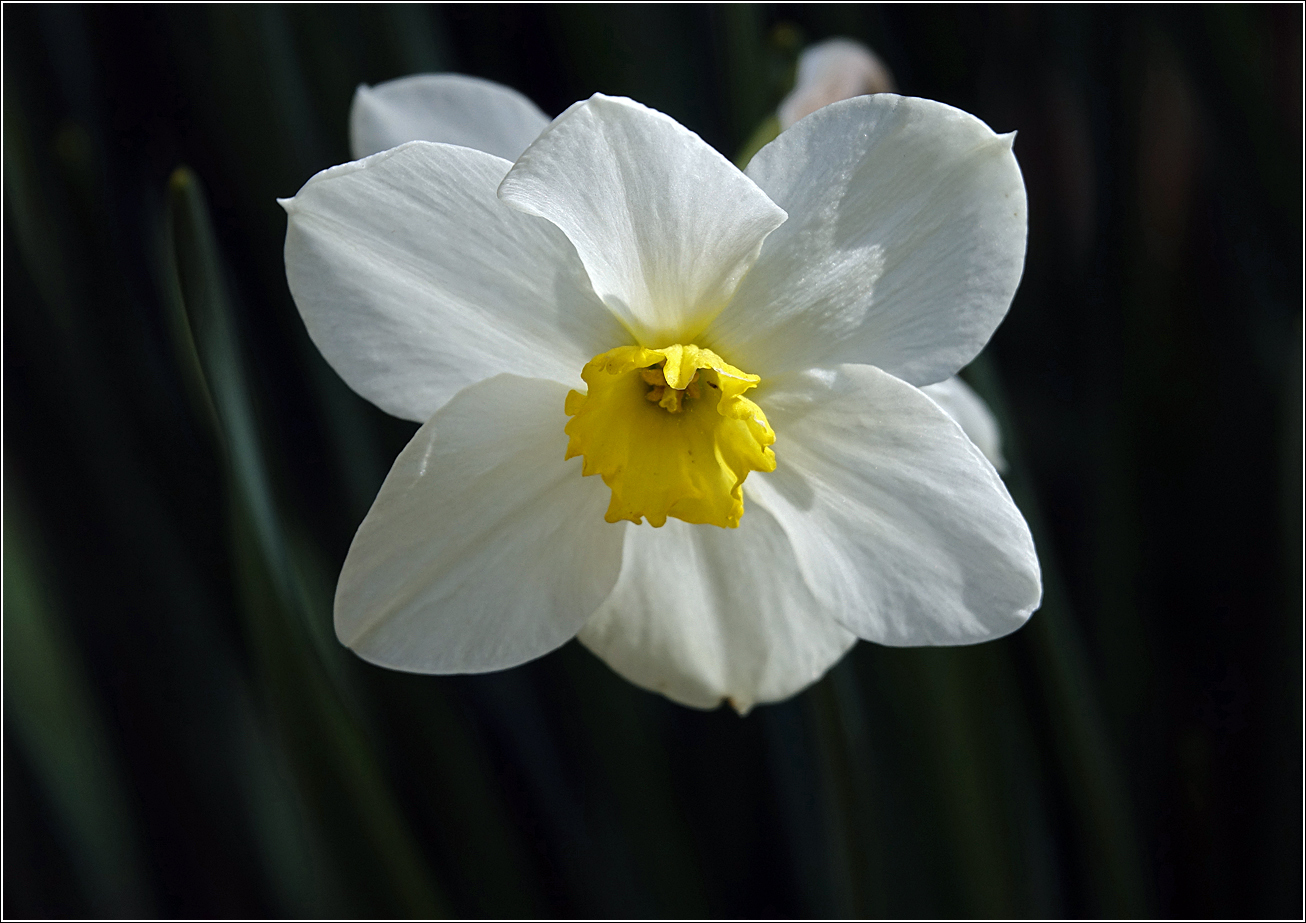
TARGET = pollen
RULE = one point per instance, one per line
(670, 432)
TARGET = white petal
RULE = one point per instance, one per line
(829, 71)
(451, 108)
(414, 280)
(903, 248)
(484, 549)
(665, 225)
(902, 528)
(960, 402)
(702, 614)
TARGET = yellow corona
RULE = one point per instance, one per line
(670, 432)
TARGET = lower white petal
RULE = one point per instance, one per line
(484, 549)
(450, 108)
(960, 402)
(900, 525)
(702, 614)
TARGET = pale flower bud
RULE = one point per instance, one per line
(829, 71)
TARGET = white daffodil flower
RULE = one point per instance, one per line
(827, 72)
(668, 407)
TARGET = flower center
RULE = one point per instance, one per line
(670, 432)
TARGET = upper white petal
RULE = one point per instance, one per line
(702, 614)
(414, 280)
(452, 108)
(665, 225)
(960, 402)
(904, 245)
(901, 527)
(484, 549)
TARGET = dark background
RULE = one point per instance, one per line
(183, 474)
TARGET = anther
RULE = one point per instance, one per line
(670, 399)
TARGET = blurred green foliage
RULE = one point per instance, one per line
(183, 474)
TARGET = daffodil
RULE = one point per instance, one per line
(668, 407)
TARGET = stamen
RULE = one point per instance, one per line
(669, 399)
(672, 400)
